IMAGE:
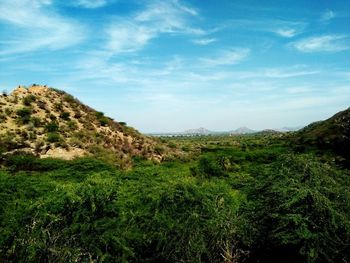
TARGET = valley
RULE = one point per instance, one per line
(261, 197)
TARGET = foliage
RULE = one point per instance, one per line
(27, 101)
(23, 115)
(297, 208)
(65, 115)
(53, 137)
(227, 203)
(103, 120)
(52, 126)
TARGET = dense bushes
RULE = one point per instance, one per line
(297, 210)
(77, 213)
(257, 205)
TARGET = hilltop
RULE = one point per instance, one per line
(51, 123)
(331, 134)
(242, 130)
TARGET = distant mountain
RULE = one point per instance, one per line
(289, 129)
(199, 131)
(332, 134)
(242, 130)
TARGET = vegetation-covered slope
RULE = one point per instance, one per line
(252, 198)
(245, 199)
(331, 134)
(51, 123)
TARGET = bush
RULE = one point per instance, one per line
(37, 122)
(23, 115)
(53, 137)
(104, 121)
(52, 127)
(2, 118)
(65, 115)
(209, 167)
(27, 101)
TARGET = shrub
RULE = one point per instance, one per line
(159, 149)
(172, 145)
(65, 115)
(2, 118)
(52, 127)
(209, 167)
(53, 137)
(72, 125)
(41, 104)
(69, 98)
(8, 111)
(23, 115)
(27, 101)
(37, 122)
(58, 106)
(101, 118)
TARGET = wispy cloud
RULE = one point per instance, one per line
(204, 41)
(159, 17)
(230, 57)
(91, 3)
(325, 43)
(286, 32)
(283, 28)
(128, 37)
(327, 15)
(31, 26)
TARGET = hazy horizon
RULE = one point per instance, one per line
(170, 66)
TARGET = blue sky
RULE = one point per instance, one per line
(175, 65)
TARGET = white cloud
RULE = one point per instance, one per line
(227, 58)
(325, 43)
(159, 17)
(327, 15)
(283, 28)
(204, 41)
(91, 3)
(32, 26)
(128, 37)
(286, 32)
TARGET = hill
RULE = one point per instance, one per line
(51, 123)
(242, 130)
(199, 131)
(331, 134)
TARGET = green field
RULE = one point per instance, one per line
(231, 199)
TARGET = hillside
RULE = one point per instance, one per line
(242, 130)
(51, 123)
(331, 134)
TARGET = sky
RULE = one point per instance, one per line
(173, 65)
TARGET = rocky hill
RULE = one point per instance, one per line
(242, 130)
(199, 131)
(331, 134)
(51, 123)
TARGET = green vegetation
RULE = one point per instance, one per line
(234, 199)
(27, 101)
(65, 115)
(103, 120)
(23, 115)
(53, 137)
